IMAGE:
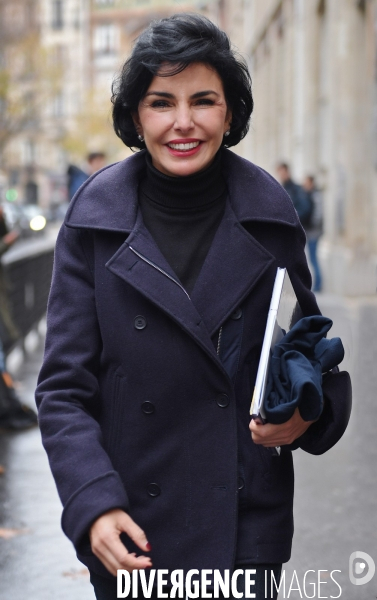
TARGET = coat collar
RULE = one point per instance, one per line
(235, 263)
(108, 200)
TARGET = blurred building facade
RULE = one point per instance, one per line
(114, 24)
(56, 110)
(65, 36)
(314, 70)
(21, 65)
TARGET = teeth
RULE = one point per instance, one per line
(188, 146)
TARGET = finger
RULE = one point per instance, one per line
(107, 560)
(274, 438)
(280, 440)
(128, 559)
(114, 556)
(135, 532)
(264, 432)
(255, 425)
(105, 554)
(129, 564)
(270, 435)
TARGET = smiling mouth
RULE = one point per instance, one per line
(184, 147)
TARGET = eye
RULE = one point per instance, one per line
(205, 102)
(159, 104)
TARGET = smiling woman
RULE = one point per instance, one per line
(166, 49)
(163, 275)
(183, 119)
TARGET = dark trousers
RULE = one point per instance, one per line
(106, 589)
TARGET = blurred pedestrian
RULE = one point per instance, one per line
(296, 193)
(96, 161)
(314, 227)
(76, 176)
(13, 414)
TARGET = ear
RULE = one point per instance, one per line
(136, 120)
(228, 120)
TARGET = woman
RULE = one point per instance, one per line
(163, 277)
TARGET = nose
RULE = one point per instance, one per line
(183, 118)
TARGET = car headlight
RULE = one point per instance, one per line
(37, 223)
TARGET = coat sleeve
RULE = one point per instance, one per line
(67, 395)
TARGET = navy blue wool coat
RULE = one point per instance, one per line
(142, 404)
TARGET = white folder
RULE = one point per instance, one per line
(280, 317)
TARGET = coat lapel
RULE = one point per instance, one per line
(140, 263)
(234, 265)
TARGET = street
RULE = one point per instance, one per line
(335, 500)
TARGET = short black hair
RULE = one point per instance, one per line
(181, 40)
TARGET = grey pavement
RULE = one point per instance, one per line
(336, 493)
(38, 563)
(335, 499)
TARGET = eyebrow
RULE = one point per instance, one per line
(193, 97)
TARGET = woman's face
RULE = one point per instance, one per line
(183, 119)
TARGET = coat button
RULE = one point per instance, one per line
(236, 314)
(153, 490)
(140, 322)
(147, 408)
(241, 483)
(222, 400)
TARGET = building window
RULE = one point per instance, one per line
(77, 18)
(29, 152)
(105, 39)
(58, 106)
(14, 16)
(57, 14)
(58, 55)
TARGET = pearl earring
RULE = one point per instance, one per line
(140, 138)
(227, 133)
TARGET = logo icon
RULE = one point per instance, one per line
(361, 564)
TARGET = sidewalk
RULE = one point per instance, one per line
(336, 494)
(39, 562)
(335, 501)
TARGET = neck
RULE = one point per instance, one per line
(186, 193)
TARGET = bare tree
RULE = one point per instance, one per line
(28, 77)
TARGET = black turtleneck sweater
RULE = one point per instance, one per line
(183, 214)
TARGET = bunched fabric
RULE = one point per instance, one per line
(296, 367)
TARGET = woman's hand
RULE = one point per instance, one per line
(107, 546)
(270, 435)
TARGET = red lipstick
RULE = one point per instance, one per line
(184, 153)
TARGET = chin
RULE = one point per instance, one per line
(184, 169)
(185, 172)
